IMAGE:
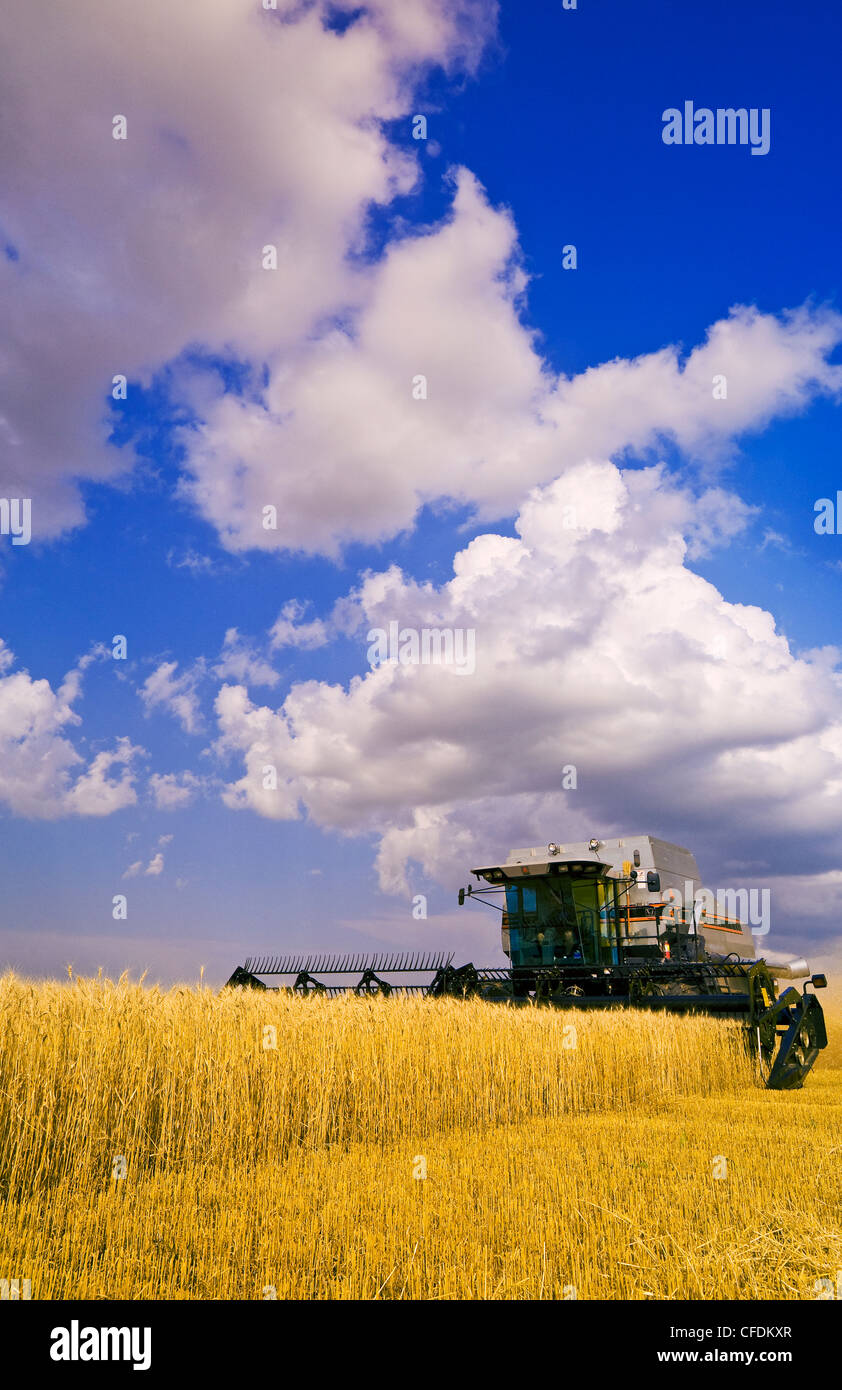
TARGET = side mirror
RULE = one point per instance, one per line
(461, 897)
(653, 882)
(818, 981)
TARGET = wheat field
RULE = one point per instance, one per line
(183, 1144)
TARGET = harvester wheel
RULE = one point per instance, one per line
(805, 1042)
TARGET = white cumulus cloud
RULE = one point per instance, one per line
(239, 660)
(245, 127)
(597, 648)
(172, 790)
(155, 867)
(42, 773)
(175, 693)
(288, 631)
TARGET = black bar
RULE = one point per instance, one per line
(251, 1338)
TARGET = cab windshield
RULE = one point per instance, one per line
(563, 920)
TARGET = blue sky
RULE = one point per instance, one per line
(557, 116)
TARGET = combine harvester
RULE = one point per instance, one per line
(596, 925)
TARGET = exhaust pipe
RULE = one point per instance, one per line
(781, 967)
(786, 967)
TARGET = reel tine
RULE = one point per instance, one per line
(350, 963)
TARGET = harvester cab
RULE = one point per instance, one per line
(605, 903)
(593, 925)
